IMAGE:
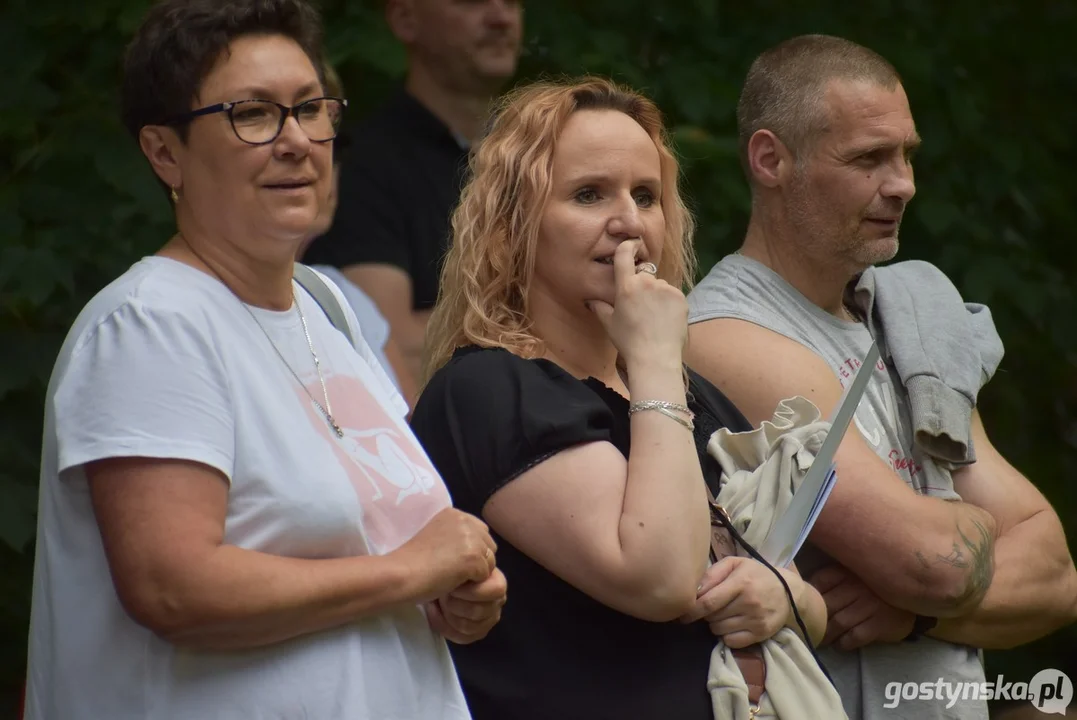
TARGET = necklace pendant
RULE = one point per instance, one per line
(336, 428)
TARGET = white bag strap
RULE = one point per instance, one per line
(313, 284)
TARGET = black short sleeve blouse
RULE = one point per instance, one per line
(484, 419)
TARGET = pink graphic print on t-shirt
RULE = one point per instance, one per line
(399, 491)
(872, 420)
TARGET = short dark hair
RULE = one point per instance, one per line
(179, 41)
(785, 85)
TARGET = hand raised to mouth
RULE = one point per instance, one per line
(649, 317)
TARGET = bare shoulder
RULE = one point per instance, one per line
(757, 367)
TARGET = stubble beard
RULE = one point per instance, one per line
(834, 243)
(868, 252)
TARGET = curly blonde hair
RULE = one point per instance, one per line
(486, 276)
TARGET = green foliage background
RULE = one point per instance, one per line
(993, 88)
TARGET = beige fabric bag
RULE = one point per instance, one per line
(761, 469)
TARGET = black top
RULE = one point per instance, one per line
(400, 180)
(484, 419)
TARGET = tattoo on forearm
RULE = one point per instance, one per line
(982, 550)
(977, 556)
(956, 558)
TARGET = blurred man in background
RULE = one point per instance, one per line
(372, 323)
(402, 176)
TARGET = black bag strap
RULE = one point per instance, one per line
(316, 287)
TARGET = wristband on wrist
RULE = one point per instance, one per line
(920, 626)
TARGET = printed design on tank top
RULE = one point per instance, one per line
(871, 426)
(399, 491)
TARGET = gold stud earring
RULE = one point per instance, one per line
(175, 197)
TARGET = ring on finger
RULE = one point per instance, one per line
(647, 267)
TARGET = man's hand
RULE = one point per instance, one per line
(470, 611)
(857, 616)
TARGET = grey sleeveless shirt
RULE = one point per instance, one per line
(741, 288)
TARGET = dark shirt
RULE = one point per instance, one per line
(400, 180)
(484, 419)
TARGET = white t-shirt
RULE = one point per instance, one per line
(167, 362)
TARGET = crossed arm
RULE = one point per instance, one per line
(1034, 588)
(162, 527)
(970, 563)
(1034, 591)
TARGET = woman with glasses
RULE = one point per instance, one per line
(235, 519)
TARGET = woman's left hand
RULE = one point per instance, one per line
(742, 601)
(468, 613)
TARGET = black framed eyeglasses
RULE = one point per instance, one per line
(258, 122)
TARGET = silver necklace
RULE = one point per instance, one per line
(327, 409)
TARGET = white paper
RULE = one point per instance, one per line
(790, 531)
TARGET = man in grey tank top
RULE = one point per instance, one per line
(918, 576)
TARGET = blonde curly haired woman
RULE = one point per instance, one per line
(557, 408)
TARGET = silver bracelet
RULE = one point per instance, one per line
(667, 409)
(655, 404)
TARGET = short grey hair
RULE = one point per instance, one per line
(785, 85)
